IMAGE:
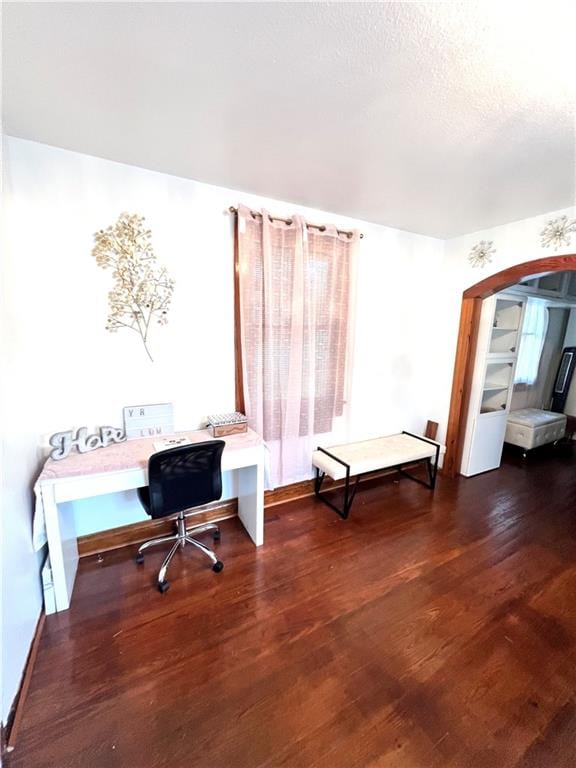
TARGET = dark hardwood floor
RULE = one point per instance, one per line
(427, 631)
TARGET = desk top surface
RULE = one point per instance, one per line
(132, 454)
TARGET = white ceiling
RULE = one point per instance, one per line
(439, 118)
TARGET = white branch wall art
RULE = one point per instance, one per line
(142, 289)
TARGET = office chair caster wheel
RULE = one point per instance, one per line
(139, 558)
(216, 536)
(217, 567)
(163, 586)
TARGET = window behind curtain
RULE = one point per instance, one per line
(532, 337)
(295, 313)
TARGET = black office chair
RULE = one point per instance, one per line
(178, 479)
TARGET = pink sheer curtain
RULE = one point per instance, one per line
(295, 313)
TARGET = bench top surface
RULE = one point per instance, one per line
(534, 417)
(374, 454)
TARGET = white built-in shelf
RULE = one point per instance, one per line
(498, 374)
(494, 401)
(559, 285)
(498, 342)
(503, 346)
(505, 325)
(497, 384)
(508, 314)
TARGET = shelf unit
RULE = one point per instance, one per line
(492, 383)
(560, 285)
(497, 385)
(505, 327)
(503, 341)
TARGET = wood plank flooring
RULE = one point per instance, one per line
(427, 631)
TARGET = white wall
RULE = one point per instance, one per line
(63, 369)
(21, 592)
(516, 242)
(21, 598)
(59, 198)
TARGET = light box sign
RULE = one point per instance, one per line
(148, 420)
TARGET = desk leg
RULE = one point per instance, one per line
(251, 501)
(62, 548)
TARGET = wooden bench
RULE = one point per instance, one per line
(341, 462)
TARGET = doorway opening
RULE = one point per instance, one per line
(467, 343)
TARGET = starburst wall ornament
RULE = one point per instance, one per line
(557, 232)
(481, 254)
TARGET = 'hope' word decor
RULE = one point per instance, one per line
(63, 442)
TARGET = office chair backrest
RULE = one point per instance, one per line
(185, 476)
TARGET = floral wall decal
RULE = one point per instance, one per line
(557, 232)
(142, 290)
(481, 254)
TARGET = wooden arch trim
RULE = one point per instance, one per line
(466, 346)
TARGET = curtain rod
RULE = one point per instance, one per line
(321, 227)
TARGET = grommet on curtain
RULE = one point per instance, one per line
(343, 234)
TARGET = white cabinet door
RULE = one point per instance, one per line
(487, 443)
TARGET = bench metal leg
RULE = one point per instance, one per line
(431, 464)
(349, 494)
(432, 471)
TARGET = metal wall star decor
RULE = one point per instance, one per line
(557, 232)
(481, 254)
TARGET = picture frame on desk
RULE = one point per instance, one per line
(148, 420)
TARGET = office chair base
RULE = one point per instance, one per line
(179, 540)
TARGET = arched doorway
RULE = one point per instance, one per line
(467, 336)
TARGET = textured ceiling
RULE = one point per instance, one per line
(439, 118)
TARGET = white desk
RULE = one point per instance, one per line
(122, 467)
